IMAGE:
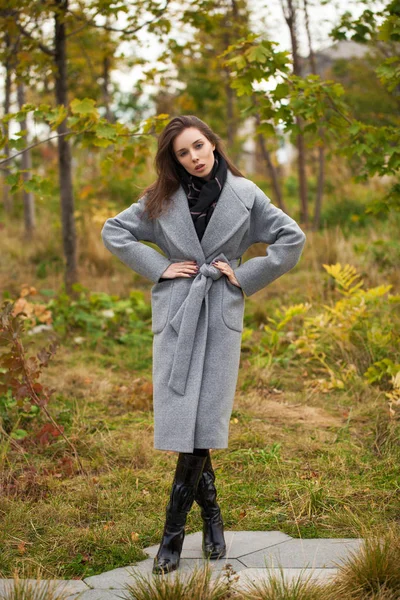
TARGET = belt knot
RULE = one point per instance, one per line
(185, 320)
(208, 270)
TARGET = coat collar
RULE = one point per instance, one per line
(231, 211)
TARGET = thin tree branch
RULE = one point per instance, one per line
(109, 28)
(335, 108)
(42, 46)
(88, 61)
(75, 31)
(54, 137)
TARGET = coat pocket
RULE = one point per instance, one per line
(232, 306)
(161, 294)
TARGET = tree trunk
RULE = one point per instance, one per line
(320, 188)
(231, 128)
(106, 77)
(29, 202)
(231, 125)
(290, 18)
(106, 91)
(64, 150)
(7, 199)
(272, 173)
(271, 169)
(321, 148)
(301, 165)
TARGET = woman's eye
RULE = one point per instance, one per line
(197, 146)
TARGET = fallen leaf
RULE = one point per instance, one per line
(22, 547)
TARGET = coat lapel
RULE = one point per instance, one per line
(229, 214)
(231, 211)
(178, 226)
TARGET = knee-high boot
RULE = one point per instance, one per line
(213, 527)
(188, 471)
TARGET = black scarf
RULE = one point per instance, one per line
(202, 194)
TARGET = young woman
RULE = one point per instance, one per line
(203, 214)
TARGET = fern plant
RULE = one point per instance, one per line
(354, 341)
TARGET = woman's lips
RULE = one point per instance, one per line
(199, 168)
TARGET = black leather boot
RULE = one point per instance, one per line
(188, 471)
(213, 527)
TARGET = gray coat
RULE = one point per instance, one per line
(197, 321)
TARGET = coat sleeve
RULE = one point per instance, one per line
(122, 235)
(286, 240)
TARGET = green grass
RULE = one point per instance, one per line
(308, 478)
(307, 463)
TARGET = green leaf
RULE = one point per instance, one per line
(266, 128)
(38, 185)
(18, 144)
(354, 128)
(13, 179)
(84, 107)
(21, 133)
(281, 91)
(237, 61)
(257, 54)
(101, 142)
(58, 115)
(19, 434)
(105, 130)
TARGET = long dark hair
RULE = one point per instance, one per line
(158, 193)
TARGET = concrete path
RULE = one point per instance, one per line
(250, 553)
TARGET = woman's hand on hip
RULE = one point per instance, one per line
(186, 268)
(226, 270)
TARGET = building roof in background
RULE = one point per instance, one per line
(344, 49)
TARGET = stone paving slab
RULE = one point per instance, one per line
(238, 543)
(72, 586)
(307, 553)
(247, 576)
(117, 578)
(99, 595)
(187, 565)
(248, 552)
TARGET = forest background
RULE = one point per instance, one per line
(314, 433)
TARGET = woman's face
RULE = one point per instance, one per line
(195, 152)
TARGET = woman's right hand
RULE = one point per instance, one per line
(187, 268)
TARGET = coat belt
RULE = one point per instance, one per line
(186, 319)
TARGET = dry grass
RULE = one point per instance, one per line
(279, 587)
(100, 271)
(302, 462)
(197, 585)
(371, 573)
(374, 571)
(19, 588)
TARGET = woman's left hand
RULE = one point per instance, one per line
(226, 270)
